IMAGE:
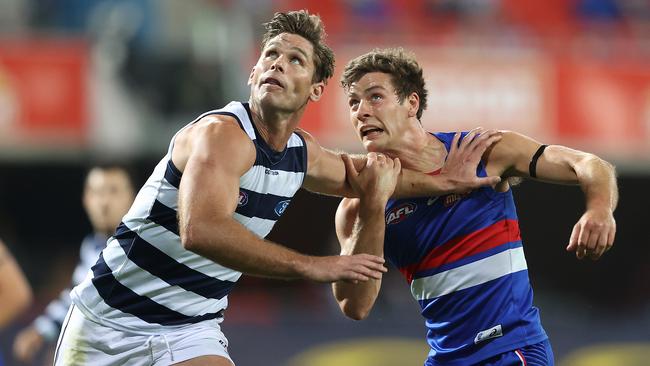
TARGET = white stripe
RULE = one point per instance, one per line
(238, 110)
(168, 195)
(259, 227)
(281, 184)
(144, 284)
(294, 140)
(472, 274)
(170, 244)
(521, 357)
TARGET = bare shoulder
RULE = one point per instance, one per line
(213, 136)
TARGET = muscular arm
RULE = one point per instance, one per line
(214, 154)
(594, 233)
(360, 229)
(15, 292)
(326, 172)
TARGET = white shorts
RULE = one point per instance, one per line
(86, 342)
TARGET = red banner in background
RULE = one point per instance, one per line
(43, 92)
(599, 107)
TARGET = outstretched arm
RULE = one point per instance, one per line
(594, 233)
(208, 196)
(15, 292)
(326, 173)
(360, 229)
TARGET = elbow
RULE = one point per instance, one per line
(191, 237)
(354, 311)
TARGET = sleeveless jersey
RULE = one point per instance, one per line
(144, 279)
(462, 255)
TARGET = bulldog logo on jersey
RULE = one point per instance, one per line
(399, 213)
(243, 199)
(281, 206)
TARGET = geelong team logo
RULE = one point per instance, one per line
(399, 213)
(281, 206)
(243, 199)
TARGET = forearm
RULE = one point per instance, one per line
(15, 293)
(597, 178)
(416, 184)
(230, 244)
(356, 299)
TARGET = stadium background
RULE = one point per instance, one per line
(89, 80)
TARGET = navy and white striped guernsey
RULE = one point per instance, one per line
(145, 279)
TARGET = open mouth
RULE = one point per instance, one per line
(370, 130)
(272, 81)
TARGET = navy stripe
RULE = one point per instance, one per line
(164, 216)
(159, 264)
(265, 206)
(122, 298)
(230, 115)
(173, 175)
(293, 159)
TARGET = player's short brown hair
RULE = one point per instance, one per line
(405, 72)
(311, 28)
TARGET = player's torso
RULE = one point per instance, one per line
(463, 259)
(145, 279)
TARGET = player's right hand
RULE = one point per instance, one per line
(463, 158)
(350, 268)
(27, 344)
(377, 179)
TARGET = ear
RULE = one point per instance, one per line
(413, 104)
(250, 77)
(317, 90)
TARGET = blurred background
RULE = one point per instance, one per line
(83, 81)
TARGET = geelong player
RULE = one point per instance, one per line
(158, 292)
(461, 254)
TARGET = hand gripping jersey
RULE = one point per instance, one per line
(145, 279)
(462, 255)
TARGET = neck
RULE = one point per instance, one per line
(419, 151)
(275, 126)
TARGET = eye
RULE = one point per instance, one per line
(296, 60)
(376, 97)
(271, 54)
(353, 103)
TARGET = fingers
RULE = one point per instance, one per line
(573, 241)
(454, 143)
(349, 165)
(486, 140)
(487, 181)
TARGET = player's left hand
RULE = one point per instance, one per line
(593, 234)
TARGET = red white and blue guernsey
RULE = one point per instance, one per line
(145, 281)
(463, 257)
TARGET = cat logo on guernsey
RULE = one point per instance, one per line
(399, 213)
(243, 199)
(281, 206)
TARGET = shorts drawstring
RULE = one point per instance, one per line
(169, 348)
(149, 343)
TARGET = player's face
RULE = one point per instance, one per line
(282, 77)
(377, 116)
(107, 197)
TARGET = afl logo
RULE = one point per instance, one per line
(281, 206)
(243, 199)
(399, 213)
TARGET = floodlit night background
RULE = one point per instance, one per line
(86, 80)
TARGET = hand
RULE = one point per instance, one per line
(593, 235)
(462, 160)
(27, 344)
(350, 268)
(376, 180)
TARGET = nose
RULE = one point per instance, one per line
(278, 64)
(363, 111)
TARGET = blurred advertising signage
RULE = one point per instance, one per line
(43, 92)
(596, 106)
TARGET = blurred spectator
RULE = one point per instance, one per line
(108, 194)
